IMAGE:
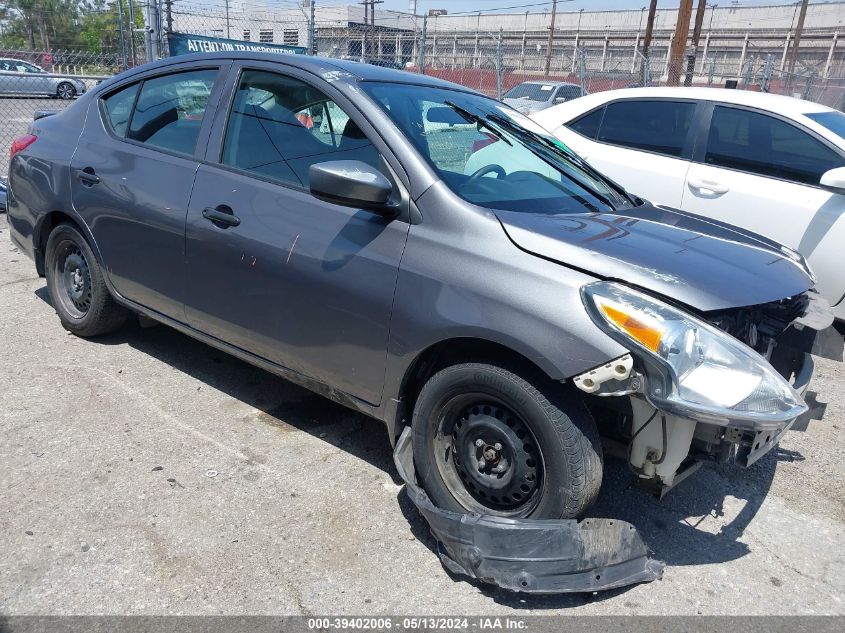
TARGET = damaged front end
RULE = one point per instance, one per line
(694, 387)
(532, 556)
(722, 386)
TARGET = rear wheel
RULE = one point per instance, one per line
(77, 289)
(65, 90)
(486, 440)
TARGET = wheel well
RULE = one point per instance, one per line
(452, 352)
(45, 227)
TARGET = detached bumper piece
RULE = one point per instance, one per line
(531, 556)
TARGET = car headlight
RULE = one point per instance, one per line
(693, 368)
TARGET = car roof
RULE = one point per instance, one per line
(338, 70)
(546, 83)
(789, 106)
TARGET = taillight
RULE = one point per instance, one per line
(20, 143)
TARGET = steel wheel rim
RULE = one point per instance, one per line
(65, 91)
(488, 457)
(74, 280)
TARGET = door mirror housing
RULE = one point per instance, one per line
(352, 183)
(834, 180)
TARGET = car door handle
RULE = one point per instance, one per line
(221, 215)
(87, 176)
(708, 186)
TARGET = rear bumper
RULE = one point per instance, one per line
(531, 556)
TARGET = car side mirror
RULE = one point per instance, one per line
(352, 183)
(834, 180)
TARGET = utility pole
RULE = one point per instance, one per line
(679, 43)
(168, 14)
(649, 27)
(551, 38)
(376, 44)
(312, 28)
(649, 30)
(228, 35)
(421, 61)
(151, 30)
(500, 65)
(364, 43)
(132, 53)
(793, 54)
(696, 35)
(155, 36)
(122, 34)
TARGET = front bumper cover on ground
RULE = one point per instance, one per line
(532, 556)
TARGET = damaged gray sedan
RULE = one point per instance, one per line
(430, 257)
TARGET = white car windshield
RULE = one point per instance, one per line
(532, 92)
(493, 156)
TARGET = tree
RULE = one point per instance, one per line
(90, 25)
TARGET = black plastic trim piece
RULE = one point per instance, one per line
(529, 555)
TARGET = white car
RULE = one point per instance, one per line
(768, 163)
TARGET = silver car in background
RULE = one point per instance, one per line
(533, 96)
(18, 77)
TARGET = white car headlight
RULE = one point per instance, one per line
(693, 368)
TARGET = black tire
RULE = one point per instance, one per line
(464, 411)
(65, 90)
(76, 286)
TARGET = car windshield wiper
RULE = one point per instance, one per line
(521, 131)
(569, 155)
(478, 120)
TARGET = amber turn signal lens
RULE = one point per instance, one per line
(644, 334)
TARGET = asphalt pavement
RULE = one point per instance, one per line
(146, 473)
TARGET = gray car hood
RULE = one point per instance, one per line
(702, 263)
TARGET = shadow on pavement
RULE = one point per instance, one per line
(670, 527)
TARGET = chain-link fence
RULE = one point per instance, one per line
(42, 80)
(491, 54)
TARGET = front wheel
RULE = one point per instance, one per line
(77, 289)
(487, 440)
(65, 91)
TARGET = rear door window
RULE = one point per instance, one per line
(760, 144)
(169, 111)
(655, 126)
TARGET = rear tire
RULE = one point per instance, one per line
(487, 440)
(65, 90)
(77, 289)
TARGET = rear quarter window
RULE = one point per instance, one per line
(119, 107)
(588, 124)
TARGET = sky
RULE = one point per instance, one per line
(454, 6)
